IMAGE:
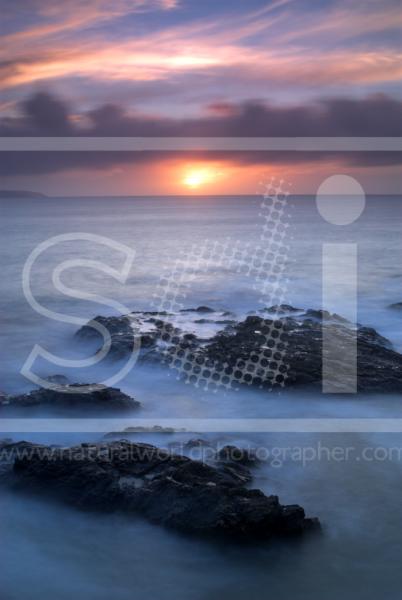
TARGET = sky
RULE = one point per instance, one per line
(174, 68)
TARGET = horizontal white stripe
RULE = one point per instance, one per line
(140, 144)
(302, 425)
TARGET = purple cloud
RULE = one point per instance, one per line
(46, 115)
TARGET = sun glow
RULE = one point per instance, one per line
(198, 177)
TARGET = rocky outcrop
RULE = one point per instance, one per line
(199, 309)
(233, 454)
(379, 367)
(300, 348)
(126, 331)
(166, 488)
(280, 309)
(128, 431)
(73, 396)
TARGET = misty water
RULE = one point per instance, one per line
(51, 551)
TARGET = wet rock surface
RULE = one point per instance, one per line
(166, 488)
(128, 431)
(199, 309)
(379, 366)
(233, 454)
(73, 396)
(144, 331)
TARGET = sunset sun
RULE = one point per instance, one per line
(195, 178)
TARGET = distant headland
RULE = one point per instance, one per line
(20, 194)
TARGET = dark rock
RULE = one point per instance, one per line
(379, 367)
(225, 322)
(141, 429)
(369, 335)
(243, 456)
(324, 315)
(275, 352)
(203, 321)
(93, 396)
(197, 443)
(124, 333)
(10, 451)
(151, 313)
(299, 342)
(114, 325)
(200, 309)
(5, 442)
(4, 398)
(281, 309)
(396, 305)
(168, 489)
(125, 336)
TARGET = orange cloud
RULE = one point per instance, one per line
(221, 48)
(133, 61)
(271, 48)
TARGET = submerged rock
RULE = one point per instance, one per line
(168, 489)
(78, 396)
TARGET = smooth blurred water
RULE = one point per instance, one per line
(160, 230)
(51, 551)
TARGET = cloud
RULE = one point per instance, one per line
(46, 115)
(280, 44)
(143, 61)
(48, 18)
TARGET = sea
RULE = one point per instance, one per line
(66, 260)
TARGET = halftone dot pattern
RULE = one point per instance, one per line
(264, 262)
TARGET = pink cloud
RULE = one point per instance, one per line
(283, 51)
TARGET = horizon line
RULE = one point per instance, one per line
(207, 143)
(43, 195)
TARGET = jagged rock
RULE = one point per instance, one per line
(5, 442)
(281, 309)
(214, 322)
(141, 429)
(93, 396)
(125, 336)
(324, 315)
(200, 309)
(282, 351)
(167, 489)
(233, 454)
(379, 367)
(114, 325)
